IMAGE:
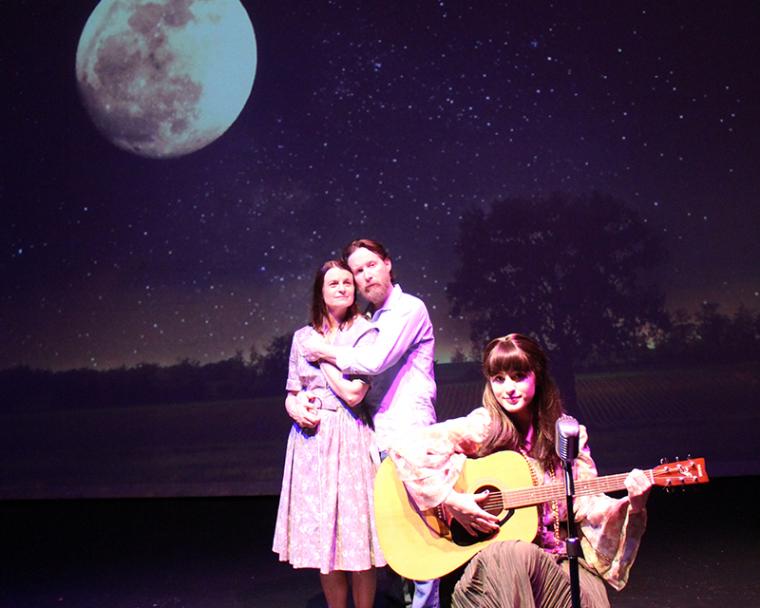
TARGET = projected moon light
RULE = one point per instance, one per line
(167, 77)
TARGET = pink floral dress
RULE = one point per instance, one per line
(326, 517)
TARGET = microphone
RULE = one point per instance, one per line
(566, 432)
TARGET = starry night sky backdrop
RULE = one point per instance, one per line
(378, 119)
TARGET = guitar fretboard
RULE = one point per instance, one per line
(526, 497)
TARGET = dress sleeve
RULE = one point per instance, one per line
(293, 382)
(610, 533)
(429, 459)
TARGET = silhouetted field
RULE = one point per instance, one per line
(236, 448)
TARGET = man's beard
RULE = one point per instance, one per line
(375, 294)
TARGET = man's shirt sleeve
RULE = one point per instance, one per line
(398, 329)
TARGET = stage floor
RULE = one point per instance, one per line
(699, 551)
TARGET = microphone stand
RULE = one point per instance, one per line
(566, 432)
(572, 542)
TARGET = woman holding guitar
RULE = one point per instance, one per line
(520, 407)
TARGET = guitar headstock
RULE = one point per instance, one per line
(680, 473)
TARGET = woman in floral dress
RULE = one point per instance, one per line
(325, 518)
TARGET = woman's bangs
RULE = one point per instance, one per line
(505, 358)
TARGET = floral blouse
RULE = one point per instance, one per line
(429, 461)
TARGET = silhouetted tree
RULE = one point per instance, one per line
(709, 336)
(569, 270)
(744, 334)
(458, 356)
(187, 381)
(272, 366)
(229, 379)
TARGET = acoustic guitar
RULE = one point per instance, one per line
(420, 546)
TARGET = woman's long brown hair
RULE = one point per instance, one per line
(519, 354)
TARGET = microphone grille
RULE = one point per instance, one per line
(566, 432)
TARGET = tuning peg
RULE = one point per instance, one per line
(663, 460)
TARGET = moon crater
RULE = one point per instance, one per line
(163, 79)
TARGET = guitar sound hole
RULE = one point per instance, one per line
(494, 505)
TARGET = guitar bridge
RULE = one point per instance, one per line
(435, 520)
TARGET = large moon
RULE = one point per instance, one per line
(163, 78)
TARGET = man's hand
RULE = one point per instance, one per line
(466, 510)
(313, 347)
(303, 409)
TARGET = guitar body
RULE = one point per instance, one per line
(419, 546)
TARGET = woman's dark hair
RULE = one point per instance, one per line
(519, 354)
(318, 307)
(372, 245)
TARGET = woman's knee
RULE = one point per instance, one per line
(513, 550)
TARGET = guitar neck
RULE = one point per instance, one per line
(527, 497)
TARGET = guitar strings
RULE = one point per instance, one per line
(499, 500)
(545, 493)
